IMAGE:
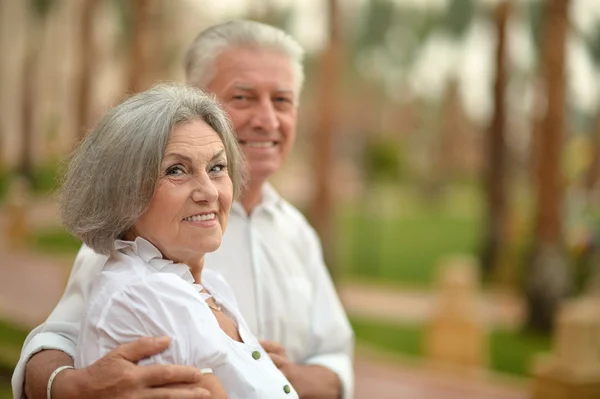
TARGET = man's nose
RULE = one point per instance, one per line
(265, 117)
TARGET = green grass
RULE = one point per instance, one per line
(55, 240)
(405, 246)
(510, 352)
(11, 340)
(5, 392)
(402, 339)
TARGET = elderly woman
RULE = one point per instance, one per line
(151, 187)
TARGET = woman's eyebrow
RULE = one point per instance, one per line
(178, 156)
(218, 154)
(185, 158)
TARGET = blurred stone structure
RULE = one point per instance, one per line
(573, 370)
(457, 335)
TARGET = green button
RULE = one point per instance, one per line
(256, 355)
(287, 389)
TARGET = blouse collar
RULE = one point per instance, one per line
(153, 257)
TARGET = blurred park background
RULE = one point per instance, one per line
(448, 155)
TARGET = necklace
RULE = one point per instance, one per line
(216, 307)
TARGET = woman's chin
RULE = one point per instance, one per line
(211, 245)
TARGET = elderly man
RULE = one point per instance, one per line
(270, 256)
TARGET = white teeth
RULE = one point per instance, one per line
(259, 144)
(200, 218)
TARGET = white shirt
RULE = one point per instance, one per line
(273, 262)
(138, 293)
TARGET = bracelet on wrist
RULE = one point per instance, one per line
(52, 377)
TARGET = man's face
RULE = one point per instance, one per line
(256, 88)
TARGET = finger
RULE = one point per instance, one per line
(175, 393)
(280, 361)
(158, 375)
(272, 347)
(141, 348)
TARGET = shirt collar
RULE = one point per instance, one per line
(152, 256)
(270, 201)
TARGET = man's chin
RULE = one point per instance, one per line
(262, 173)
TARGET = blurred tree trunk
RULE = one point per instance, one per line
(549, 280)
(139, 49)
(86, 64)
(2, 136)
(27, 105)
(592, 175)
(322, 209)
(157, 45)
(38, 12)
(495, 179)
(592, 182)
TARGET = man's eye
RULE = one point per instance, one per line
(240, 97)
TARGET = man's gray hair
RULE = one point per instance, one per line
(210, 43)
(112, 176)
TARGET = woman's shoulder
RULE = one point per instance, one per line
(129, 276)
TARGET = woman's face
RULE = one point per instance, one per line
(188, 213)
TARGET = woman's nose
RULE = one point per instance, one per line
(205, 191)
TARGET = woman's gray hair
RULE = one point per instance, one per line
(210, 43)
(112, 176)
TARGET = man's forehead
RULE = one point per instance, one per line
(252, 87)
(250, 67)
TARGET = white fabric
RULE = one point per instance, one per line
(140, 294)
(273, 262)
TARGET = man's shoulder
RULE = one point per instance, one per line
(293, 215)
(86, 257)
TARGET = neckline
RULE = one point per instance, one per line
(241, 330)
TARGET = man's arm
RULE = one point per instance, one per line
(115, 375)
(38, 371)
(331, 338)
(52, 345)
(61, 329)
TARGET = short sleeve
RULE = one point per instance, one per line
(163, 304)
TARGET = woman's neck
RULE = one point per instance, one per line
(196, 265)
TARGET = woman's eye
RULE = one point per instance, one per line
(175, 171)
(218, 168)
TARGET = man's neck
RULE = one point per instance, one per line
(252, 196)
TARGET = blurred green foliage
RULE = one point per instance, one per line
(45, 178)
(55, 240)
(4, 182)
(11, 340)
(457, 20)
(405, 246)
(511, 352)
(382, 159)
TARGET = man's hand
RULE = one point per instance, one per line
(117, 376)
(310, 381)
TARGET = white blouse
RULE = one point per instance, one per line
(138, 293)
